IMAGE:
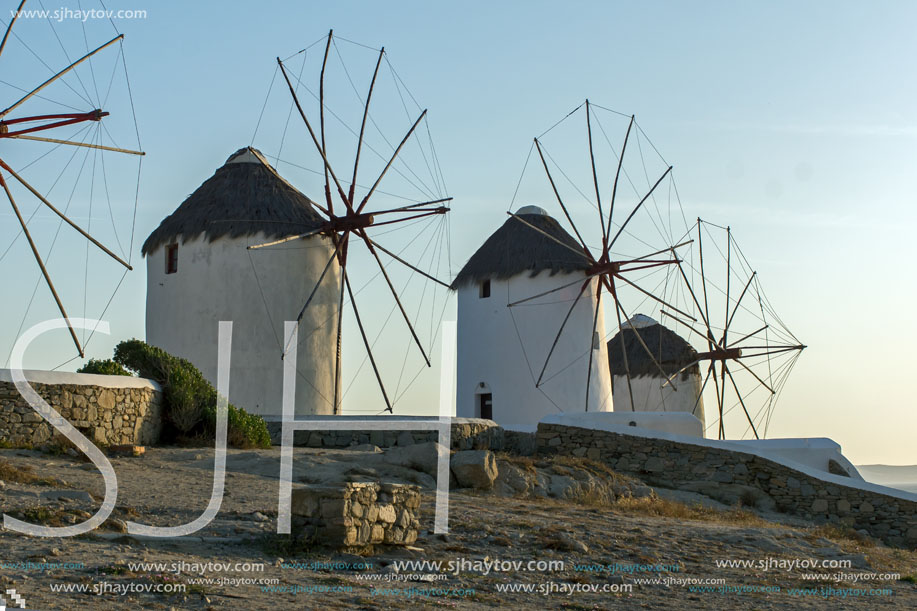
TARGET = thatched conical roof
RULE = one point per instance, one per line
(669, 349)
(516, 248)
(244, 197)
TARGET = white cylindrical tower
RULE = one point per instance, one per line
(501, 349)
(200, 272)
(651, 391)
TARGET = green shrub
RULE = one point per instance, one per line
(105, 367)
(190, 400)
(187, 393)
(243, 429)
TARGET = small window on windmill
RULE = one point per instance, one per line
(486, 406)
(596, 341)
(485, 289)
(171, 258)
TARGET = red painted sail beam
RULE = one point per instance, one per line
(56, 121)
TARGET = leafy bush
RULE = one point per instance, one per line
(190, 400)
(106, 367)
(243, 429)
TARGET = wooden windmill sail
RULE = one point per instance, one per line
(349, 218)
(746, 349)
(606, 269)
(21, 123)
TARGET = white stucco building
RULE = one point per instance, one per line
(651, 392)
(200, 272)
(501, 349)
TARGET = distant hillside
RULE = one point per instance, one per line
(903, 477)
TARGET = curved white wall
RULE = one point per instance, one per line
(215, 281)
(490, 351)
(651, 396)
(813, 452)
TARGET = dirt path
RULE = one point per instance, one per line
(607, 555)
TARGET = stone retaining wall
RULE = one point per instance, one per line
(467, 434)
(701, 468)
(519, 443)
(106, 409)
(356, 514)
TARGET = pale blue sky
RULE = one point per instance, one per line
(795, 123)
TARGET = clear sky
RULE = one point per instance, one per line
(795, 123)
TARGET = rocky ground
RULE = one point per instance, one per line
(603, 531)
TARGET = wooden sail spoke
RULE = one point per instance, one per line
(595, 176)
(24, 98)
(679, 372)
(752, 334)
(741, 401)
(583, 253)
(646, 349)
(670, 249)
(700, 310)
(559, 332)
(614, 188)
(756, 376)
(99, 147)
(9, 28)
(653, 297)
(369, 350)
(52, 122)
(723, 342)
(418, 205)
(551, 291)
(703, 278)
(41, 265)
(776, 347)
(404, 314)
(337, 354)
(403, 262)
(390, 161)
(630, 388)
(595, 322)
(637, 207)
(372, 84)
(291, 238)
(321, 124)
(687, 325)
(434, 212)
(700, 395)
(321, 150)
(64, 217)
(729, 316)
(318, 284)
(557, 195)
(643, 265)
(720, 399)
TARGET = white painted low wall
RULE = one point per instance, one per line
(80, 379)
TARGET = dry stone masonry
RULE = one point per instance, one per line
(466, 434)
(356, 514)
(753, 479)
(119, 412)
